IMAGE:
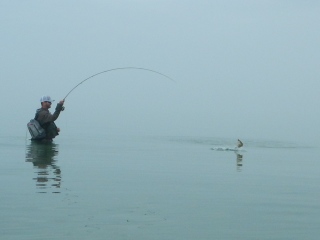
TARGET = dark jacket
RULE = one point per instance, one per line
(46, 120)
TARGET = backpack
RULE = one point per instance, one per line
(35, 129)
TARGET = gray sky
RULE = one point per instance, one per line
(243, 69)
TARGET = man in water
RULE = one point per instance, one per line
(46, 119)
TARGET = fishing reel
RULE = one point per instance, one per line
(62, 108)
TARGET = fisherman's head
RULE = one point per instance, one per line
(46, 101)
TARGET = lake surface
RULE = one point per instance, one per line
(116, 187)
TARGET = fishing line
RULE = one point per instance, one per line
(114, 69)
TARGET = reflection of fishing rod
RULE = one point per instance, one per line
(114, 69)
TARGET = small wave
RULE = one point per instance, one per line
(234, 149)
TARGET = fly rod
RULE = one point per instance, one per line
(114, 69)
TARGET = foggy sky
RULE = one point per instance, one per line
(243, 69)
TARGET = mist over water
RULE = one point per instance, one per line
(242, 69)
(142, 157)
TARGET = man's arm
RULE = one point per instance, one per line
(46, 116)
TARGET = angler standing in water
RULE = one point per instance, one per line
(46, 119)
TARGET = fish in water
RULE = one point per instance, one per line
(239, 143)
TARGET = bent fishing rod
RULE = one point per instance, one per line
(114, 69)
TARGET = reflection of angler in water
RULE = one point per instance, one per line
(48, 174)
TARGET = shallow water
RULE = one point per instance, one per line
(158, 188)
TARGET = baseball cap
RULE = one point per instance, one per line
(46, 99)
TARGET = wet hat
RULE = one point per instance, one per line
(46, 99)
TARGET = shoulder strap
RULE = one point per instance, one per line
(44, 125)
(37, 114)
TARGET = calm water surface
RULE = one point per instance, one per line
(158, 188)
